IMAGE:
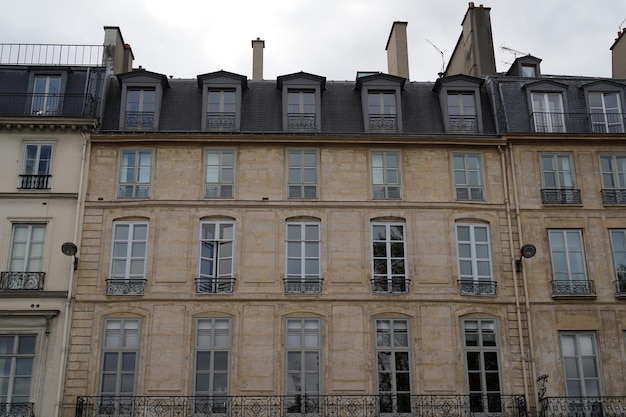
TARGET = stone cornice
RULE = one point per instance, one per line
(48, 124)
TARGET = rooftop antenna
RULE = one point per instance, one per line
(515, 52)
(621, 25)
(443, 61)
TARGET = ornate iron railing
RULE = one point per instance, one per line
(220, 121)
(492, 405)
(583, 406)
(126, 286)
(613, 197)
(393, 285)
(308, 285)
(17, 410)
(471, 287)
(50, 54)
(620, 286)
(219, 285)
(301, 121)
(568, 288)
(552, 122)
(34, 182)
(139, 120)
(383, 123)
(10, 280)
(560, 196)
(47, 105)
(462, 124)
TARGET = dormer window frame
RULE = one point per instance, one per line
(39, 99)
(143, 81)
(527, 66)
(378, 83)
(301, 83)
(222, 82)
(460, 85)
(605, 88)
(549, 119)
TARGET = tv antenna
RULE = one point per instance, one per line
(443, 61)
(515, 52)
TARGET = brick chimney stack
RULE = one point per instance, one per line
(257, 58)
(397, 51)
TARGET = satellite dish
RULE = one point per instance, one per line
(528, 250)
(69, 249)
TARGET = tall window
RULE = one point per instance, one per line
(606, 113)
(385, 175)
(301, 110)
(27, 246)
(303, 258)
(382, 111)
(216, 257)
(388, 258)
(580, 360)
(618, 242)
(482, 365)
(140, 108)
(212, 364)
(394, 366)
(128, 258)
(36, 172)
(119, 361)
(462, 112)
(135, 172)
(474, 256)
(220, 170)
(302, 173)
(568, 262)
(221, 110)
(613, 170)
(17, 356)
(302, 370)
(557, 175)
(548, 112)
(468, 176)
(46, 95)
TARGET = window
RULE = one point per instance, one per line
(618, 242)
(548, 113)
(221, 110)
(606, 113)
(119, 364)
(135, 172)
(128, 259)
(462, 112)
(46, 95)
(302, 370)
(17, 357)
(26, 258)
(220, 169)
(474, 256)
(302, 173)
(140, 108)
(482, 364)
(303, 258)
(382, 111)
(580, 362)
(36, 172)
(468, 177)
(529, 70)
(613, 170)
(558, 180)
(212, 364)
(301, 110)
(217, 240)
(568, 263)
(388, 258)
(394, 366)
(385, 175)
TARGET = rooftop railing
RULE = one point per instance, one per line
(50, 54)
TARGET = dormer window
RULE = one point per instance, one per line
(529, 70)
(46, 95)
(382, 111)
(459, 96)
(462, 112)
(301, 109)
(222, 93)
(142, 94)
(381, 102)
(221, 109)
(140, 106)
(605, 100)
(525, 66)
(301, 98)
(548, 107)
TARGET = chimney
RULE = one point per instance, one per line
(473, 54)
(117, 56)
(257, 59)
(618, 55)
(397, 51)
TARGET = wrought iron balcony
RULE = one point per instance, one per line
(620, 286)
(47, 105)
(133, 286)
(561, 196)
(139, 120)
(17, 410)
(580, 288)
(471, 287)
(383, 123)
(615, 197)
(309, 285)
(552, 122)
(301, 121)
(34, 182)
(491, 405)
(391, 285)
(10, 280)
(219, 285)
(582, 406)
(462, 124)
(220, 121)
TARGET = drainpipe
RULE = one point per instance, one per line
(69, 301)
(518, 312)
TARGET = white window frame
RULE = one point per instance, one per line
(392, 348)
(144, 108)
(382, 110)
(467, 170)
(219, 176)
(213, 341)
(302, 253)
(121, 341)
(386, 257)
(37, 165)
(562, 176)
(129, 280)
(46, 100)
(465, 119)
(569, 254)
(386, 178)
(17, 357)
(138, 185)
(548, 115)
(613, 171)
(303, 359)
(215, 256)
(29, 257)
(475, 264)
(302, 173)
(618, 246)
(301, 109)
(580, 354)
(221, 109)
(605, 119)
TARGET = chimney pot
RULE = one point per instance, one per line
(471, 4)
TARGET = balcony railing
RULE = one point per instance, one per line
(296, 285)
(551, 122)
(383, 123)
(614, 197)
(580, 288)
(219, 285)
(126, 286)
(17, 410)
(10, 280)
(583, 406)
(47, 105)
(220, 121)
(561, 196)
(139, 120)
(393, 285)
(620, 287)
(301, 121)
(50, 54)
(472, 287)
(34, 182)
(491, 405)
(462, 124)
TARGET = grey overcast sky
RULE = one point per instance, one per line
(331, 38)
